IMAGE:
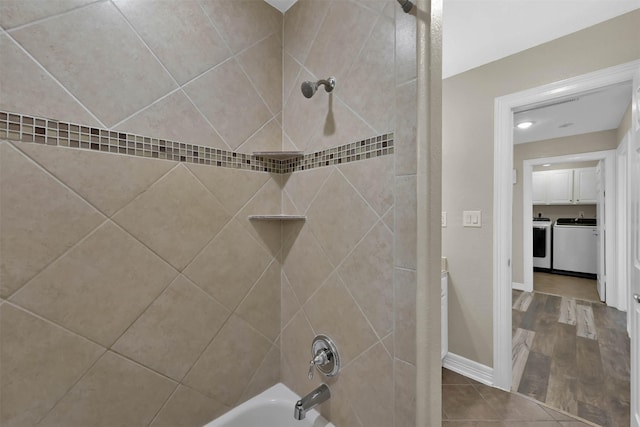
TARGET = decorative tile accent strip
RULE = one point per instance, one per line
(366, 149)
(23, 128)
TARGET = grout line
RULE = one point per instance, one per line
(56, 15)
(56, 81)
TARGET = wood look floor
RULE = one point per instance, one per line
(572, 355)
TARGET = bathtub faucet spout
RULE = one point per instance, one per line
(310, 401)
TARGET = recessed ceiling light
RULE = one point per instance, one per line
(546, 164)
(524, 125)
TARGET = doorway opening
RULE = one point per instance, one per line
(503, 198)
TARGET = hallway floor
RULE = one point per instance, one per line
(467, 403)
(572, 355)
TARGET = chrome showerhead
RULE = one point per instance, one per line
(310, 88)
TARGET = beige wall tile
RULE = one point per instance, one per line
(188, 408)
(267, 375)
(229, 265)
(19, 12)
(332, 311)
(373, 179)
(170, 335)
(268, 138)
(288, 302)
(389, 218)
(405, 47)
(261, 306)
(253, 20)
(232, 187)
(368, 274)
(290, 70)
(405, 136)
(339, 217)
(303, 186)
(404, 394)
(305, 264)
(182, 37)
(99, 287)
(371, 70)
(340, 38)
(40, 362)
(371, 400)
(93, 45)
(297, 337)
(405, 315)
(406, 220)
(268, 200)
(174, 118)
(176, 217)
(263, 64)
(27, 88)
(115, 391)
(230, 103)
(32, 238)
(236, 342)
(339, 125)
(106, 180)
(301, 24)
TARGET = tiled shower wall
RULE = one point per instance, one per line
(128, 283)
(146, 273)
(350, 271)
(207, 72)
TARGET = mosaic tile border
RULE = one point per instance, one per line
(24, 128)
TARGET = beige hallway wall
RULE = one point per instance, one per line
(468, 104)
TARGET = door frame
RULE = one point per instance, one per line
(503, 197)
(608, 157)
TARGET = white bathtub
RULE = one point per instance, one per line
(271, 408)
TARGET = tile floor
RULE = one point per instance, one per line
(572, 355)
(565, 286)
(467, 403)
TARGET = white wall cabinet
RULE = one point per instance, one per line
(585, 186)
(564, 187)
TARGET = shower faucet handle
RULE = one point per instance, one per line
(321, 358)
(324, 356)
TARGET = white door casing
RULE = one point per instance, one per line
(634, 228)
(601, 238)
(503, 194)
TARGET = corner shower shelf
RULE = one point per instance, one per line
(278, 155)
(279, 217)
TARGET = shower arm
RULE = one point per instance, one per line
(329, 84)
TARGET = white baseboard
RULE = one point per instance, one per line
(468, 368)
(521, 287)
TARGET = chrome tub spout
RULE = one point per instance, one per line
(310, 401)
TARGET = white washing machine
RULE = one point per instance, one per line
(575, 245)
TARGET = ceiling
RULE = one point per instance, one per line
(476, 32)
(591, 111)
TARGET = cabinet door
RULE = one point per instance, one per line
(539, 188)
(585, 188)
(560, 187)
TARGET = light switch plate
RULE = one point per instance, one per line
(472, 219)
(444, 219)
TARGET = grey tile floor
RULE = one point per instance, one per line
(466, 402)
